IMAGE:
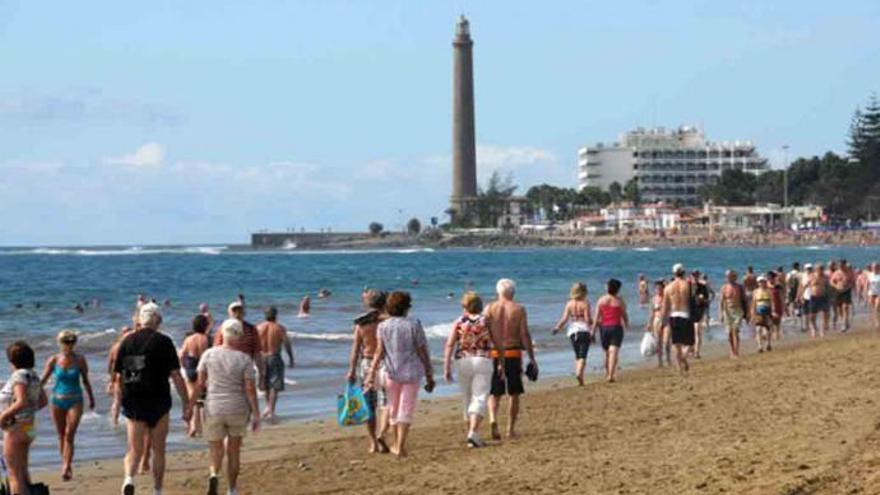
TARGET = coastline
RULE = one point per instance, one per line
(783, 422)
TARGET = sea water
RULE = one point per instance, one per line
(39, 288)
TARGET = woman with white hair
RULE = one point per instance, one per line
(229, 377)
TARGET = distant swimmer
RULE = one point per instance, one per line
(414, 282)
(305, 306)
(643, 290)
(167, 303)
(324, 293)
(79, 308)
(450, 295)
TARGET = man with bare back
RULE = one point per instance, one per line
(676, 309)
(273, 336)
(843, 280)
(508, 324)
(733, 310)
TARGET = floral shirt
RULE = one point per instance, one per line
(473, 336)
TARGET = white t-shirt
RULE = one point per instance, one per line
(32, 392)
(874, 284)
(227, 370)
(805, 282)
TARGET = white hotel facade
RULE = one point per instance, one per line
(669, 165)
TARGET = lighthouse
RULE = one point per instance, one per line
(464, 141)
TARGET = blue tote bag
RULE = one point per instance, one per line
(352, 407)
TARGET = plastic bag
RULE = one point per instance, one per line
(649, 345)
(352, 407)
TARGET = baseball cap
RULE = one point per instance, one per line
(235, 305)
(677, 268)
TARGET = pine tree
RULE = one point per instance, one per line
(856, 141)
(871, 131)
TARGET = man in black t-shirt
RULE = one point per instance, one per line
(145, 361)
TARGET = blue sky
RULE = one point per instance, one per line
(197, 122)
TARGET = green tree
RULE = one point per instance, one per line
(593, 197)
(413, 227)
(492, 199)
(376, 228)
(616, 191)
(631, 191)
(734, 188)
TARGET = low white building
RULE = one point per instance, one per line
(766, 217)
(669, 165)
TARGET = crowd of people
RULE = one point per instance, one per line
(217, 378)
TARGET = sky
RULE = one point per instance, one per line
(170, 122)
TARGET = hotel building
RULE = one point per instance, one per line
(669, 165)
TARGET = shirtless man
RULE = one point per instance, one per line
(818, 285)
(363, 349)
(676, 310)
(750, 282)
(843, 281)
(273, 336)
(643, 291)
(733, 310)
(508, 324)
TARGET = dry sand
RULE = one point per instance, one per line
(801, 419)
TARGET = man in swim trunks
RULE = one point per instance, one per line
(145, 361)
(818, 286)
(363, 350)
(843, 281)
(508, 324)
(676, 310)
(273, 336)
(750, 283)
(733, 310)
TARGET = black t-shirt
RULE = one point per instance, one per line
(145, 360)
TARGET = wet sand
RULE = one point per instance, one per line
(801, 419)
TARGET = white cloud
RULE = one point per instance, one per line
(77, 106)
(148, 155)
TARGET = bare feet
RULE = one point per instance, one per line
(512, 435)
(67, 474)
(496, 435)
(381, 446)
(399, 453)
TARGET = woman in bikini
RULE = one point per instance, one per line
(194, 345)
(577, 322)
(658, 326)
(70, 371)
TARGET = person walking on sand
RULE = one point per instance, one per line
(194, 345)
(70, 371)
(658, 326)
(363, 351)
(273, 336)
(843, 281)
(776, 294)
(403, 349)
(145, 362)
(612, 321)
(805, 296)
(873, 293)
(792, 285)
(733, 310)
(577, 321)
(206, 312)
(750, 283)
(471, 343)
(509, 325)
(818, 287)
(20, 399)
(249, 343)
(643, 291)
(227, 378)
(700, 310)
(676, 309)
(761, 313)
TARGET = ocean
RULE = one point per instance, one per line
(39, 288)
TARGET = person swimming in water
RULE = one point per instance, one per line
(305, 307)
(70, 372)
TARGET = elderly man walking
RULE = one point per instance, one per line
(508, 324)
(145, 361)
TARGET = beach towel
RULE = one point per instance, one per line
(352, 407)
(649, 345)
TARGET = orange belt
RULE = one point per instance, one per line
(510, 353)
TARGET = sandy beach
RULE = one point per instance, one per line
(801, 419)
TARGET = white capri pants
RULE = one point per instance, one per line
(475, 381)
